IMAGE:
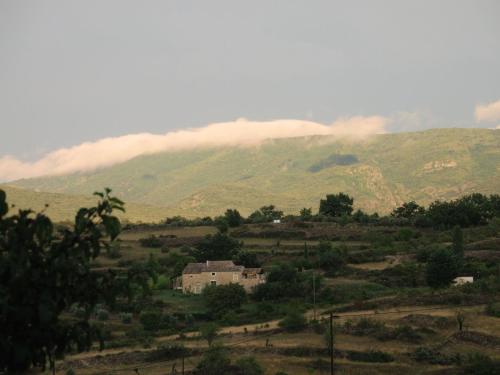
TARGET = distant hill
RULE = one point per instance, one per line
(293, 173)
(63, 207)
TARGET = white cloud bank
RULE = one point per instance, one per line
(109, 151)
(488, 112)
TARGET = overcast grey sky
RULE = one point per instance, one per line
(74, 71)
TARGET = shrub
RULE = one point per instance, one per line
(481, 364)
(249, 366)
(209, 332)
(493, 309)
(370, 356)
(151, 319)
(433, 356)
(215, 361)
(223, 298)
(166, 352)
(151, 241)
(126, 318)
(102, 314)
(441, 268)
(162, 283)
(293, 322)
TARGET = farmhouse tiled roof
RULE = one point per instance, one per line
(212, 266)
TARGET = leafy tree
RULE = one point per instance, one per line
(233, 218)
(469, 210)
(458, 243)
(43, 273)
(215, 361)
(408, 210)
(330, 259)
(221, 224)
(249, 366)
(361, 217)
(441, 268)
(306, 214)
(209, 332)
(219, 246)
(220, 299)
(247, 259)
(265, 214)
(293, 322)
(336, 205)
(283, 281)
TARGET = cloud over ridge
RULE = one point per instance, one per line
(106, 152)
(488, 112)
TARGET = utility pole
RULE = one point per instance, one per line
(331, 343)
(183, 363)
(314, 295)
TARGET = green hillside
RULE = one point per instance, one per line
(292, 173)
(63, 207)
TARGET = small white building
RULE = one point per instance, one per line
(276, 221)
(461, 280)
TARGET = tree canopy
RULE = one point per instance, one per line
(336, 205)
(44, 272)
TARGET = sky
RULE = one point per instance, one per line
(75, 71)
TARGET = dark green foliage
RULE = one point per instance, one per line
(493, 309)
(408, 210)
(209, 332)
(220, 299)
(433, 356)
(44, 273)
(151, 241)
(284, 281)
(102, 314)
(361, 217)
(248, 366)
(293, 322)
(481, 364)
(153, 319)
(404, 234)
(165, 352)
(177, 221)
(215, 361)
(219, 246)
(331, 260)
(265, 214)
(306, 214)
(375, 356)
(247, 259)
(233, 218)
(407, 274)
(336, 205)
(441, 268)
(458, 243)
(221, 224)
(126, 318)
(334, 159)
(470, 210)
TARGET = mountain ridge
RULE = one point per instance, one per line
(380, 173)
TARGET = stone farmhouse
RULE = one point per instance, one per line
(198, 275)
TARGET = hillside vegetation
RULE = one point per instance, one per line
(62, 207)
(379, 173)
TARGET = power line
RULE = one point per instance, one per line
(394, 312)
